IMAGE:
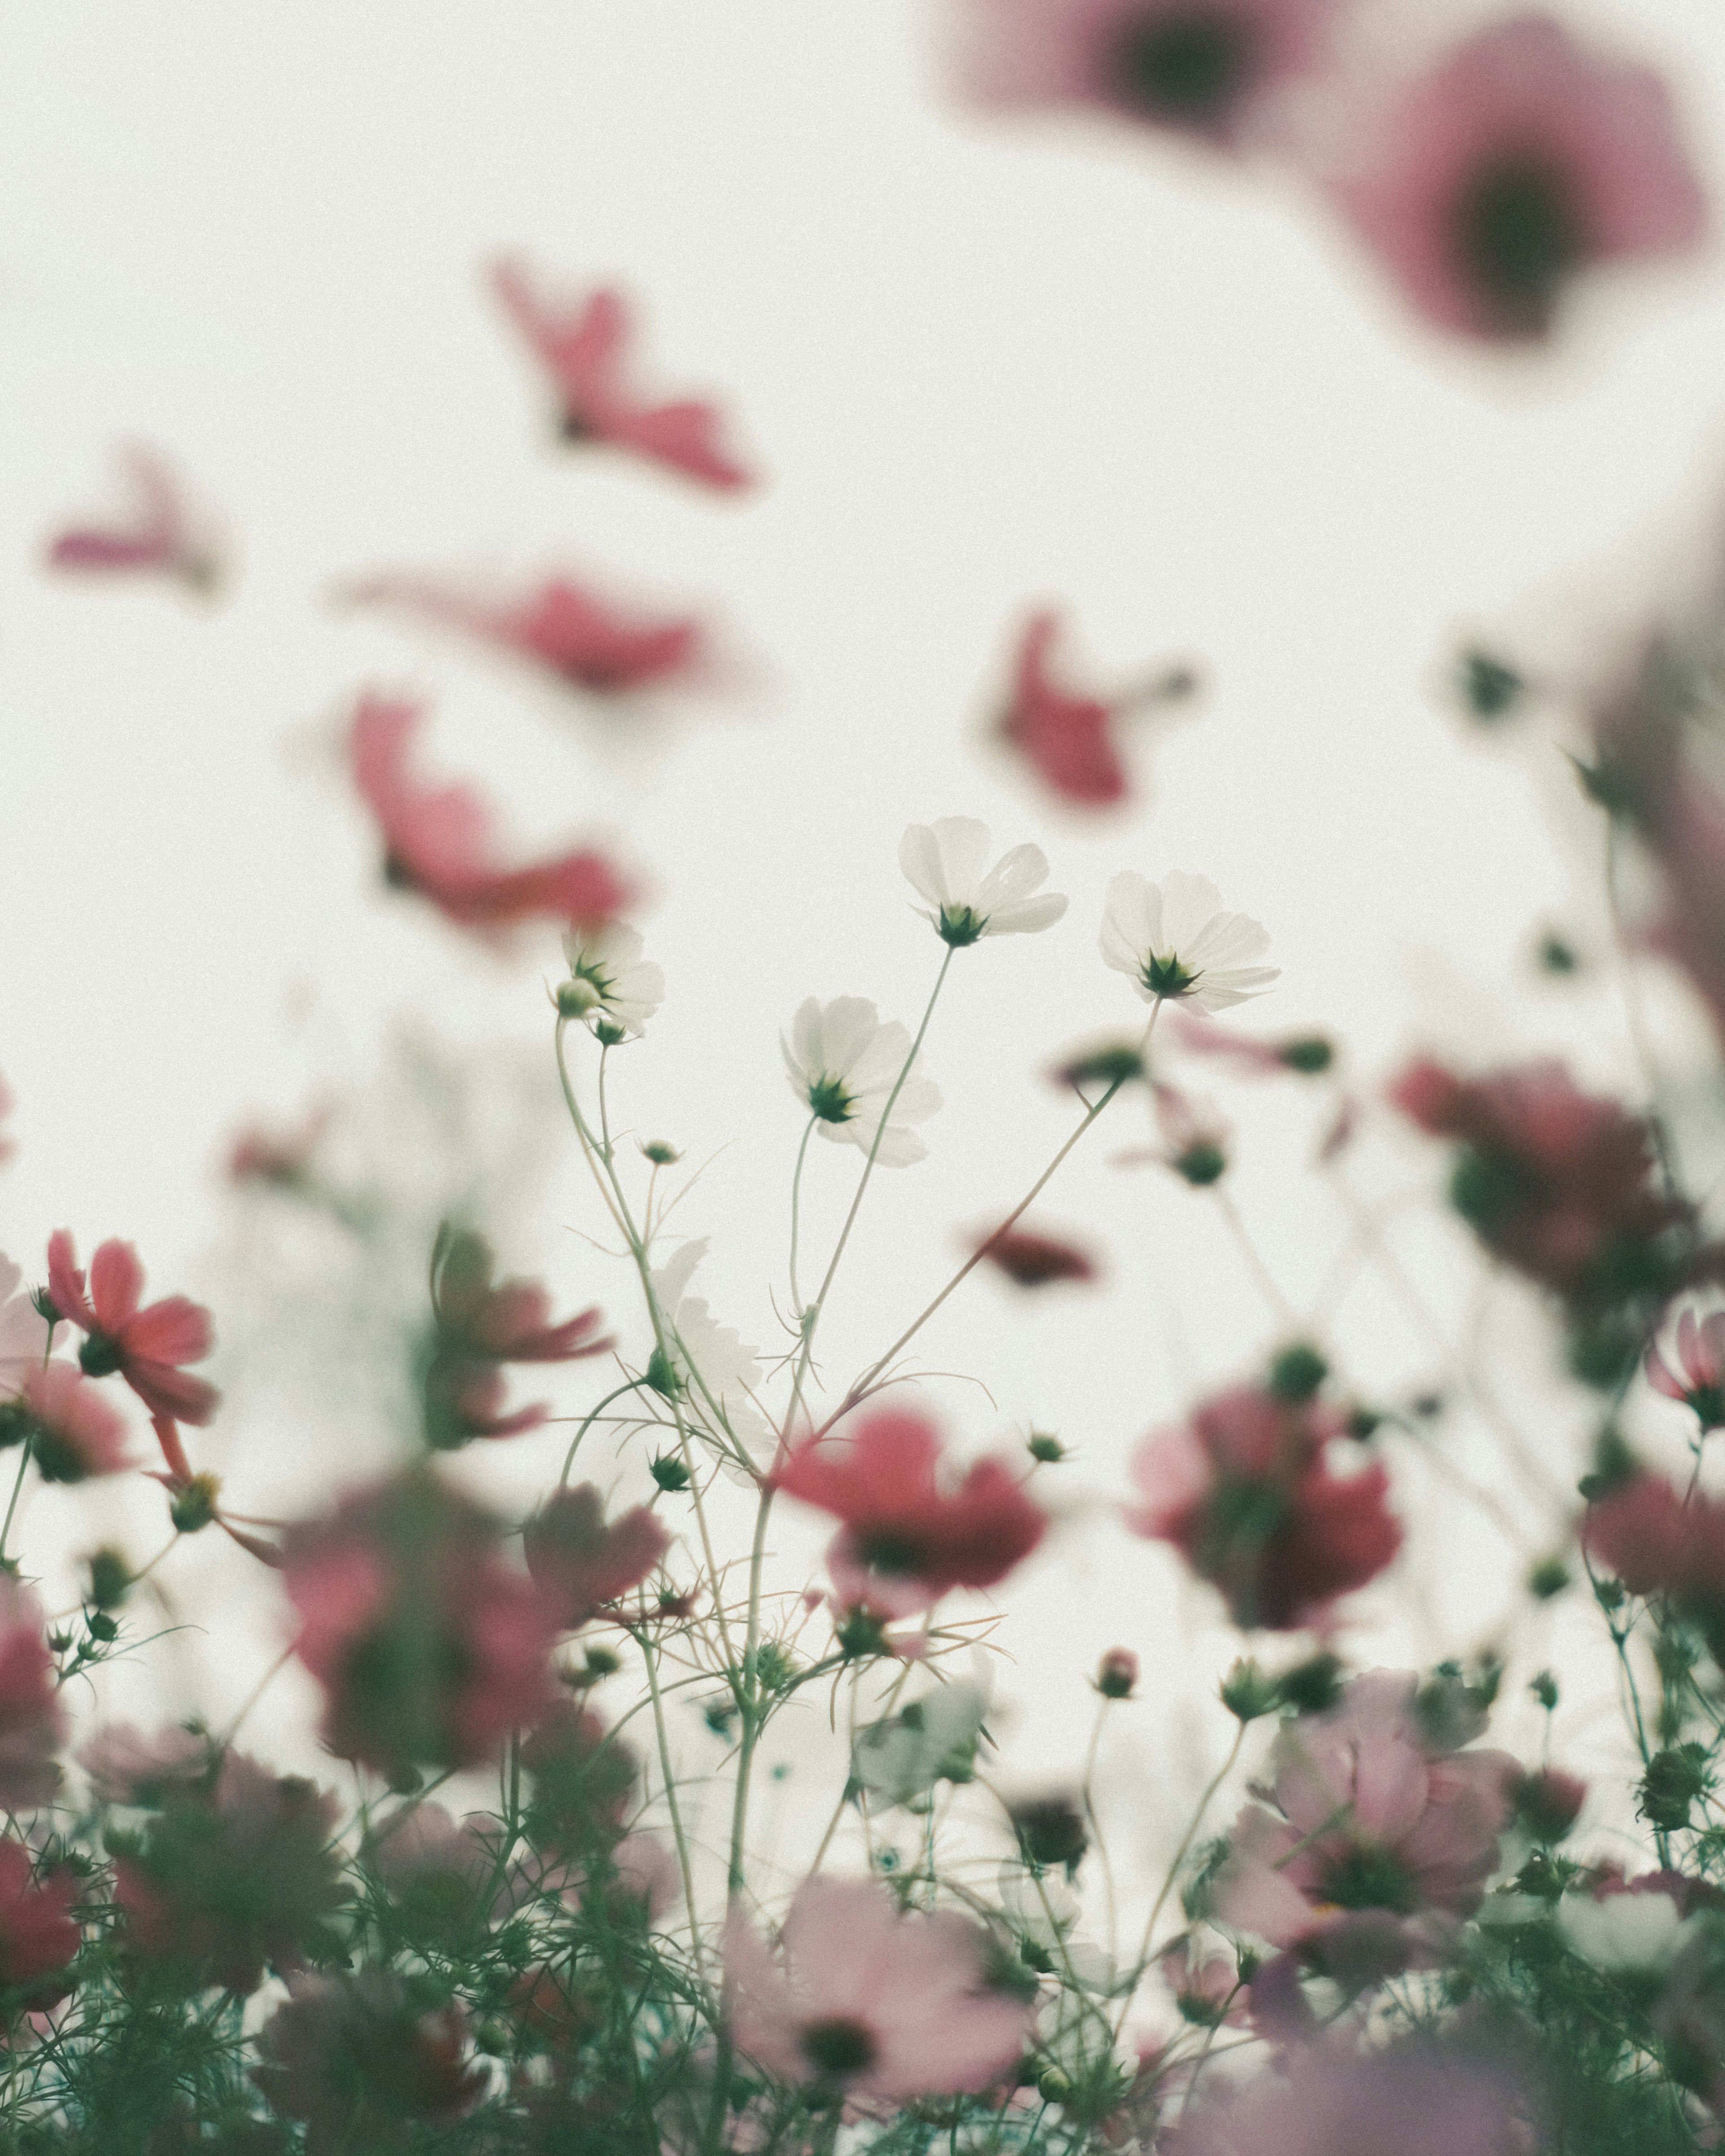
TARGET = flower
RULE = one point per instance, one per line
(1309, 1054)
(1174, 940)
(581, 346)
(165, 535)
(72, 1431)
(1065, 738)
(1701, 1356)
(1418, 2097)
(1208, 1988)
(125, 1767)
(1041, 1913)
(1377, 1846)
(879, 2004)
(31, 1720)
(944, 863)
(23, 1330)
(1244, 1488)
(1488, 184)
(583, 1780)
(476, 1327)
(147, 1348)
(1658, 1542)
(1034, 1261)
(579, 1561)
(38, 1934)
(844, 1065)
(626, 988)
(910, 1533)
(709, 1361)
(562, 626)
(437, 839)
(1205, 69)
(932, 1739)
(428, 1647)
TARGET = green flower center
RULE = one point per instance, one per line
(958, 926)
(1184, 66)
(829, 1101)
(838, 2046)
(1365, 1876)
(1168, 976)
(1519, 238)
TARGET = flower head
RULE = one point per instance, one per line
(708, 1361)
(147, 1348)
(476, 1327)
(878, 2005)
(38, 1936)
(910, 1533)
(944, 863)
(438, 840)
(579, 1561)
(625, 988)
(23, 1330)
(1660, 1542)
(72, 1431)
(1176, 943)
(164, 535)
(1487, 185)
(1699, 1380)
(1030, 1260)
(31, 1719)
(581, 345)
(844, 1065)
(1417, 2097)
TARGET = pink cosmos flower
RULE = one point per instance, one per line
(38, 1935)
(23, 1330)
(164, 535)
(1207, 1988)
(881, 2006)
(565, 627)
(147, 1347)
(1416, 2097)
(579, 1561)
(1208, 70)
(72, 1430)
(910, 1533)
(1066, 735)
(438, 840)
(1030, 1260)
(478, 1328)
(1377, 1846)
(280, 1157)
(1307, 1053)
(581, 345)
(32, 1722)
(1658, 1542)
(1244, 1491)
(1701, 1357)
(125, 1767)
(1488, 184)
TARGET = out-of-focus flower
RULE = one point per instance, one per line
(1488, 184)
(32, 1721)
(1207, 1988)
(1042, 1913)
(565, 627)
(1635, 1927)
(1245, 1490)
(1117, 1673)
(844, 1063)
(428, 1647)
(580, 344)
(165, 535)
(709, 1361)
(580, 1561)
(1195, 1136)
(583, 1776)
(477, 1327)
(626, 988)
(280, 1159)
(234, 1872)
(878, 2005)
(931, 1739)
(1207, 68)
(1066, 736)
(38, 1935)
(356, 2059)
(1377, 1846)
(433, 1867)
(910, 1534)
(1699, 1381)
(125, 1767)
(1658, 1542)
(943, 862)
(438, 840)
(147, 1348)
(1030, 1260)
(1307, 1053)
(72, 1431)
(1176, 944)
(23, 1330)
(1548, 1802)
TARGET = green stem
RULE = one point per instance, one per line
(23, 1462)
(1190, 1836)
(633, 1385)
(796, 1196)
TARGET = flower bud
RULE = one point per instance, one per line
(194, 1506)
(1046, 1447)
(109, 1576)
(1297, 1372)
(576, 997)
(1248, 1693)
(1547, 1803)
(1117, 1673)
(659, 1152)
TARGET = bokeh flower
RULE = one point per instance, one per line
(579, 1561)
(147, 1348)
(1699, 1380)
(72, 1431)
(165, 535)
(626, 988)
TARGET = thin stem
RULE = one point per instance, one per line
(796, 1199)
(633, 1385)
(1285, 1314)
(1190, 1836)
(753, 1717)
(678, 1835)
(23, 1462)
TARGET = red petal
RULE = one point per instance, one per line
(175, 1330)
(116, 1281)
(175, 1393)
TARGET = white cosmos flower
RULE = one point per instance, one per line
(726, 1365)
(1175, 941)
(1042, 1913)
(24, 1331)
(929, 1739)
(944, 863)
(625, 988)
(844, 1064)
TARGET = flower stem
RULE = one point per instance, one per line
(633, 1385)
(6, 1526)
(1187, 1840)
(796, 1199)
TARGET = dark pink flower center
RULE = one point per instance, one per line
(1186, 67)
(1519, 237)
(838, 2046)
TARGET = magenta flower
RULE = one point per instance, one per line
(1207, 69)
(163, 535)
(147, 1348)
(1487, 185)
(478, 1327)
(1699, 1381)
(581, 345)
(1415, 2097)
(580, 1561)
(358, 2062)
(1032, 1261)
(31, 1720)
(72, 1430)
(38, 1935)
(438, 840)
(23, 1330)
(879, 2004)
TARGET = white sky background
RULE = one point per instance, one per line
(981, 363)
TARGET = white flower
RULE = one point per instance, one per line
(1622, 1931)
(943, 864)
(844, 1064)
(1042, 1914)
(622, 989)
(931, 1739)
(1175, 941)
(24, 1331)
(723, 1365)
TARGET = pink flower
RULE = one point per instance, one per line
(1417, 2097)
(429, 1648)
(125, 1767)
(1244, 1491)
(1031, 1261)
(354, 2058)
(1376, 1847)
(23, 1330)
(38, 1935)
(1066, 735)
(147, 1348)
(581, 345)
(579, 1562)
(910, 1534)
(479, 1326)
(71, 1430)
(1658, 1542)
(1208, 1988)
(438, 840)
(1206, 68)
(565, 627)
(881, 2006)
(1701, 1355)
(281, 1159)
(1307, 1053)
(1487, 185)
(164, 535)
(32, 1722)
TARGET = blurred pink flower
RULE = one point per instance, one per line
(1307, 1053)
(1522, 159)
(32, 1721)
(38, 1935)
(438, 839)
(73, 1432)
(1415, 2098)
(1064, 735)
(125, 1767)
(23, 1330)
(354, 2058)
(479, 1327)
(880, 2005)
(1699, 1381)
(580, 1561)
(146, 1347)
(581, 345)
(165, 535)
(1032, 1261)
